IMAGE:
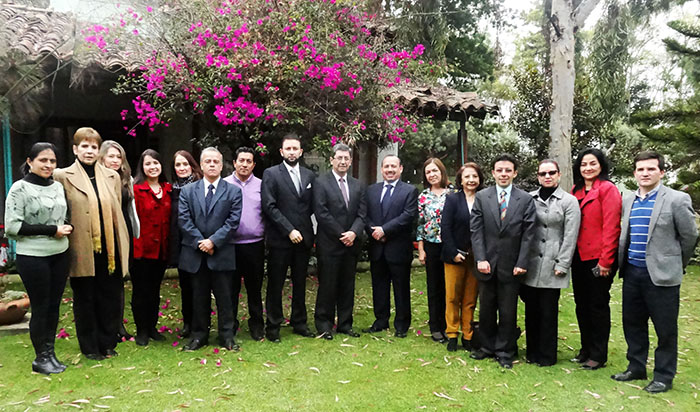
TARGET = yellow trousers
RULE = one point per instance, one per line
(461, 289)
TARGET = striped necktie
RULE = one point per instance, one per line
(502, 206)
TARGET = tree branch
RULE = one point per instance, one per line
(584, 10)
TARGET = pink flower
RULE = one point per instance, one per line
(62, 334)
(218, 362)
(418, 332)
(216, 351)
(203, 361)
(175, 343)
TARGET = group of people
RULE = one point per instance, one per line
(492, 245)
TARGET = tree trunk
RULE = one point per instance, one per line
(565, 22)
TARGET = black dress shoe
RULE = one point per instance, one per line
(350, 333)
(326, 336)
(186, 331)
(400, 334)
(591, 365)
(480, 354)
(195, 344)
(94, 356)
(658, 387)
(230, 345)
(42, 364)
(155, 335)
(467, 344)
(373, 329)
(273, 337)
(438, 337)
(506, 363)
(452, 345)
(257, 336)
(141, 339)
(628, 375)
(111, 353)
(305, 333)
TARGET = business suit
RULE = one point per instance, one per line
(653, 292)
(390, 259)
(336, 261)
(212, 273)
(286, 210)
(504, 244)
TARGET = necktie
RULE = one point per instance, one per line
(387, 198)
(295, 179)
(209, 197)
(502, 206)
(344, 191)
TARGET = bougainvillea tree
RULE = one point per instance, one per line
(255, 67)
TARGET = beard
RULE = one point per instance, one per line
(292, 163)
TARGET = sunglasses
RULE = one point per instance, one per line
(549, 173)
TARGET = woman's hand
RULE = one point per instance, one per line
(604, 272)
(421, 256)
(63, 230)
(459, 258)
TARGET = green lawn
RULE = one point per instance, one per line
(378, 372)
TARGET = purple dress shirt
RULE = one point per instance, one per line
(251, 228)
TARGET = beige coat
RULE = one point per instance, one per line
(81, 243)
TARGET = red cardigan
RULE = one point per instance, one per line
(601, 210)
(154, 216)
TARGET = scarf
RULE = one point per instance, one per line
(180, 182)
(107, 203)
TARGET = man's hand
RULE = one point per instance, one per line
(348, 238)
(377, 232)
(63, 230)
(459, 258)
(206, 246)
(483, 267)
(519, 271)
(295, 236)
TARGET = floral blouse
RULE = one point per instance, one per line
(430, 214)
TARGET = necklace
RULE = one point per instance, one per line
(157, 193)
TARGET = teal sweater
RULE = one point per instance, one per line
(30, 206)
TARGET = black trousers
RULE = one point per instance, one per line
(642, 300)
(146, 277)
(435, 276)
(498, 315)
(541, 323)
(204, 282)
(185, 281)
(44, 279)
(279, 260)
(336, 292)
(250, 265)
(384, 274)
(592, 297)
(97, 307)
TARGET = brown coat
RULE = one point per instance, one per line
(81, 244)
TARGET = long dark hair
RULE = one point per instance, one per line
(37, 148)
(140, 175)
(604, 166)
(196, 170)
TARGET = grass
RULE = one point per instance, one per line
(370, 372)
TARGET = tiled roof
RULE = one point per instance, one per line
(440, 102)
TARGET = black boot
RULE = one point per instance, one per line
(141, 337)
(54, 360)
(43, 364)
(452, 344)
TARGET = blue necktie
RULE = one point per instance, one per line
(209, 197)
(386, 199)
(502, 205)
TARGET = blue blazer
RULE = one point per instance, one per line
(398, 223)
(217, 224)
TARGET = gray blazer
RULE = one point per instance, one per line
(558, 221)
(672, 236)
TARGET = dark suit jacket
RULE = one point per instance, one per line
(218, 224)
(454, 227)
(398, 223)
(285, 209)
(334, 217)
(506, 244)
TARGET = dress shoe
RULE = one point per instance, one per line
(480, 354)
(658, 387)
(581, 357)
(506, 363)
(373, 329)
(186, 331)
(452, 345)
(628, 375)
(305, 333)
(94, 356)
(195, 344)
(141, 339)
(400, 334)
(591, 365)
(111, 353)
(326, 336)
(438, 337)
(230, 345)
(350, 333)
(467, 344)
(256, 335)
(273, 337)
(155, 335)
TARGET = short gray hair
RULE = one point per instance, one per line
(341, 147)
(210, 149)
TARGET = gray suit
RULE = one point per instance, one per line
(653, 292)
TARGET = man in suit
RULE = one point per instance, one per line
(657, 241)
(393, 208)
(209, 213)
(286, 202)
(503, 226)
(340, 209)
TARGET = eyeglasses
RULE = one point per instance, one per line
(549, 173)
